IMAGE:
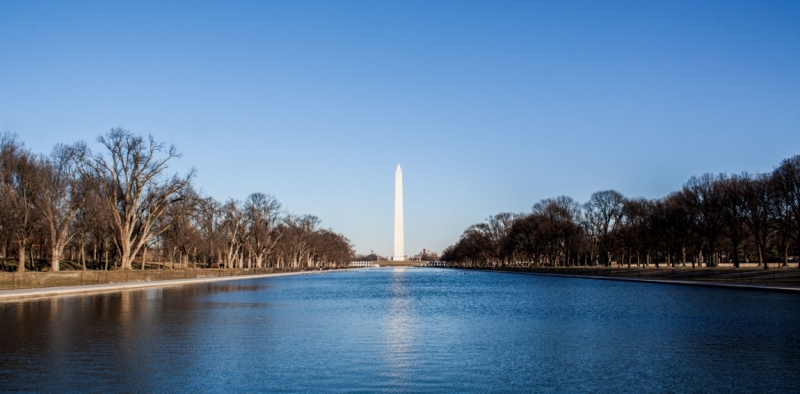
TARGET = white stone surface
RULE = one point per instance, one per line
(25, 294)
(399, 247)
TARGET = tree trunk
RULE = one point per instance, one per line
(55, 260)
(683, 256)
(21, 266)
(786, 254)
(119, 252)
(125, 261)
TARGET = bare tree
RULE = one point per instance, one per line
(760, 211)
(87, 219)
(122, 200)
(329, 248)
(604, 214)
(560, 224)
(20, 184)
(474, 247)
(95, 220)
(134, 187)
(733, 211)
(59, 198)
(263, 216)
(209, 222)
(704, 198)
(634, 235)
(233, 232)
(742, 214)
(525, 237)
(9, 149)
(296, 249)
(672, 222)
(787, 182)
(181, 233)
(496, 229)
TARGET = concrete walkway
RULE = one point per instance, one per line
(43, 292)
(786, 289)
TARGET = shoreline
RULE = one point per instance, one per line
(22, 295)
(65, 291)
(741, 286)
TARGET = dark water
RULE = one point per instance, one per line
(412, 330)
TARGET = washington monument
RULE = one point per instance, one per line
(399, 252)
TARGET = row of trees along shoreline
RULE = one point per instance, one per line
(122, 207)
(712, 219)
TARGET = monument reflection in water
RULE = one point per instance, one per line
(405, 330)
(398, 330)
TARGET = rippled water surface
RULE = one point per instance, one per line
(405, 330)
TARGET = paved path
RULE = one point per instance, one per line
(788, 289)
(27, 294)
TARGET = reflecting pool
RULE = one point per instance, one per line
(405, 330)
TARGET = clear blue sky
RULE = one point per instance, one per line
(488, 106)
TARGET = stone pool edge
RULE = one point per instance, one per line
(47, 292)
(783, 289)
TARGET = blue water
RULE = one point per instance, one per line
(405, 330)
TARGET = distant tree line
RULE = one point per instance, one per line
(106, 210)
(425, 255)
(713, 219)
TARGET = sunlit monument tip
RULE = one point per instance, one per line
(399, 248)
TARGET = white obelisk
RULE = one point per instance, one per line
(399, 248)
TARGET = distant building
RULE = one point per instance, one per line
(425, 255)
(371, 257)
